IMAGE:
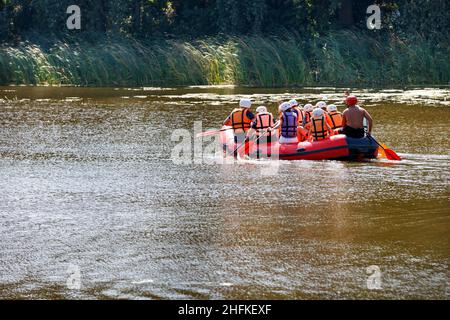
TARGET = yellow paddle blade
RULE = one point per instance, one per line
(387, 153)
(381, 153)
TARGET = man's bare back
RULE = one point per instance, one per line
(354, 116)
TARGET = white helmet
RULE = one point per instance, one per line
(245, 103)
(308, 107)
(321, 104)
(284, 106)
(293, 103)
(317, 113)
(331, 108)
(261, 109)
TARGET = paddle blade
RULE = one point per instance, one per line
(381, 153)
(391, 155)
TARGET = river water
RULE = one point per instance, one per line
(92, 204)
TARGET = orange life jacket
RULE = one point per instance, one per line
(327, 118)
(263, 121)
(240, 121)
(318, 129)
(300, 114)
(336, 119)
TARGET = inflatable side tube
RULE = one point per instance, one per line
(364, 148)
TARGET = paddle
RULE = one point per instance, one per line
(212, 132)
(261, 134)
(381, 153)
(389, 153)
(240, 146)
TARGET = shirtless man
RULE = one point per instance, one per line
(353, 119)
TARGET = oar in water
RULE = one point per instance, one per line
(381, 153)
(388, 153)
(212, 132)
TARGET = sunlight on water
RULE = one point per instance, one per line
(87, 181)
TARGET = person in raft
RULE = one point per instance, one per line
(261, 126)
(263, 121)
(323, 105)
(241, 120)
(318, 127)
(353, 119)
(307, 111)
(288, 123)
(335, 117)
(297, 109)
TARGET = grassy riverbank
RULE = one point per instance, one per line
(340, 58)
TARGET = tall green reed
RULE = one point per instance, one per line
(343, 58)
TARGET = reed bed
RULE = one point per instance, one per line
(343, 58)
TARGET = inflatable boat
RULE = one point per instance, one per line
(337, 147)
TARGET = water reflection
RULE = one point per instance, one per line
(87, 179)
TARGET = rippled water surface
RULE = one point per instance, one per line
(88, 183)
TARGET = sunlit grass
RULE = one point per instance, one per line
(338, 59)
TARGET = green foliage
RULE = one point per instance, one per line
(343, 58)
(254, 42)
(199, 18)
(428, 19)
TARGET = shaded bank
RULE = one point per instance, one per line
(341, 58)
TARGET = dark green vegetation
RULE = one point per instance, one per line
(259, 42)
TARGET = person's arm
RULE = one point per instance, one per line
(277, 125)
(344, 118)
(328, 120)
(369, 119)
(278, 122)
(308, 126)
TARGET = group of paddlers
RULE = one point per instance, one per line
(298, 123)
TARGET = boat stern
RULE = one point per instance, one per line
(364, 148)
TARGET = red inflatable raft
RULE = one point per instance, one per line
(337, 147)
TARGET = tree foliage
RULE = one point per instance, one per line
(198, 18)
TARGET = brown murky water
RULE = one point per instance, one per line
(87, 184)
